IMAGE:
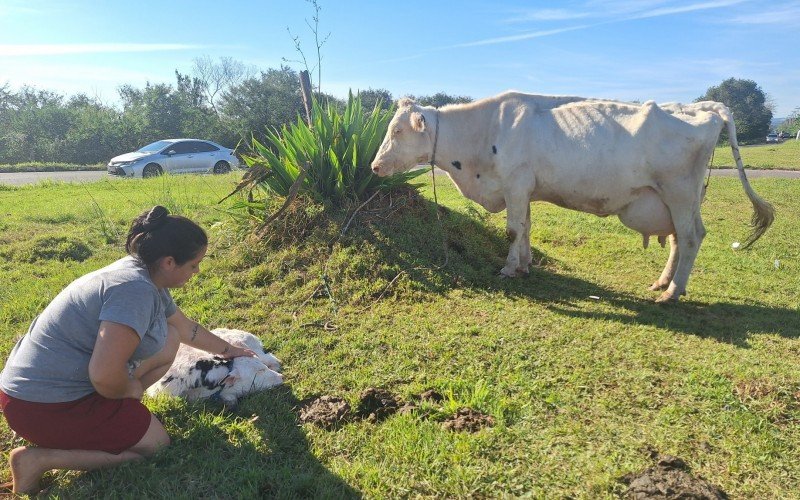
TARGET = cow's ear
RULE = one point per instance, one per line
(418, 122)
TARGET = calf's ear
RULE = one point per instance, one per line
(417, 122)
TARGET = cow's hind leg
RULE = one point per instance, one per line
(689, 232)
(669, 270)
(518, 210)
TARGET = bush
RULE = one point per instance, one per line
(338, 149)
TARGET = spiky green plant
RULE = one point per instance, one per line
(338, 147)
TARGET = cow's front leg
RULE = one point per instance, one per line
(518, 224)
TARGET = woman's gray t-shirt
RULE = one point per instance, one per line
(50, 364)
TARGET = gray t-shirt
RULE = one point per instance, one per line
(50, 364)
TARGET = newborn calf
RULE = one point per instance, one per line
(196, 374)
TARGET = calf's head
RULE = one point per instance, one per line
(409, 139)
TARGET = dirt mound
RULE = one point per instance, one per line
(670, 479)
(432, 396)
(376, 404)
(467, 419)
(325, 411)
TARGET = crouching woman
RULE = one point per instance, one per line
(72, 385)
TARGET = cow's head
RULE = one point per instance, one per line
(409, 140)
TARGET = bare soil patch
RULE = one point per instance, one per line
(469, 420)
(669, 478)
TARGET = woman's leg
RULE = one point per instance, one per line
(28, 464)
(154, 367)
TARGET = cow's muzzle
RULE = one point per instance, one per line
(380, 169)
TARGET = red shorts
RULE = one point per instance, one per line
(90, 423)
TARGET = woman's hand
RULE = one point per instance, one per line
(233, 351)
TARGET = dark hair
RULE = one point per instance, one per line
(155, 234)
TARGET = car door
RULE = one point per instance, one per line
(207, 156)
(179, 157)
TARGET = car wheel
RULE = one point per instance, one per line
(222, 167)
(152, 170)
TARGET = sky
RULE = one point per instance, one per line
(665, 50)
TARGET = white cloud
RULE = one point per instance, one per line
(88, 48)
(667, 11)
(519, 37)
(545, 15)
(775, 14)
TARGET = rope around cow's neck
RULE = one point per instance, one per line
(433, 161)
(435, 197)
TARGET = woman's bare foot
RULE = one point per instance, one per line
(25, 469)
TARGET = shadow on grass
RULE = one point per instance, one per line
(217, 454)
(477, 251)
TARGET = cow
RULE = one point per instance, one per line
(644, 163)
(196, 374)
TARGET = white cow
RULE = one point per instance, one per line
(196, 374)
(644, 163)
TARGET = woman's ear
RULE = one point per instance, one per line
(418, 122)
(168, 263)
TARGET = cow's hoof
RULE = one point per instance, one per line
(667, 298)
(508, 272)
(656, 286)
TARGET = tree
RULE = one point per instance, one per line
(440, 99)
(270, 100)
(792, 123)
(751, 111)
(370, 97)
(217, 77)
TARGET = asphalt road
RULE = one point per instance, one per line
(19, 179)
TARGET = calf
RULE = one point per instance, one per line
(196, 374)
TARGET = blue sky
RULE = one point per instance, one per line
(666, 50)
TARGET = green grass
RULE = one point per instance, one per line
(580, 388)
(784, 155)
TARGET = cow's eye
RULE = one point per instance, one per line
(396, 132)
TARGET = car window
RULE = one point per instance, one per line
(155, 146)
(180, 147)
(204, 147)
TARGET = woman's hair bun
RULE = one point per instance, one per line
(155, 218)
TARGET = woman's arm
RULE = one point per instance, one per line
(196, 335)
(108, 367)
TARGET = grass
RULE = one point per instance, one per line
(784, 156)
(580, 387)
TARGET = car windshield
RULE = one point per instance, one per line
(156, 146)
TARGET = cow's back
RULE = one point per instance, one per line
(594, 155)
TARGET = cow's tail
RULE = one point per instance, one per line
(763, 211)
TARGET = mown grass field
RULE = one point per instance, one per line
(582, 372)
(784, 156)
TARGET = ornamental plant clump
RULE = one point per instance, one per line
(338, 148)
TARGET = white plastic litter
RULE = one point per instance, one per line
(777, 264)
(735, 245)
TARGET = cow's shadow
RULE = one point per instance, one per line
(257, 451)
(476, 251)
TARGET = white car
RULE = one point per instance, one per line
(773, 137)
(175, 156)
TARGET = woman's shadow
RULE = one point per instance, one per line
(257, 451)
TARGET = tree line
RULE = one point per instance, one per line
(222, 101)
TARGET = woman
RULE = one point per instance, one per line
(73, 384)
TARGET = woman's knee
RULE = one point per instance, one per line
(153, 440)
